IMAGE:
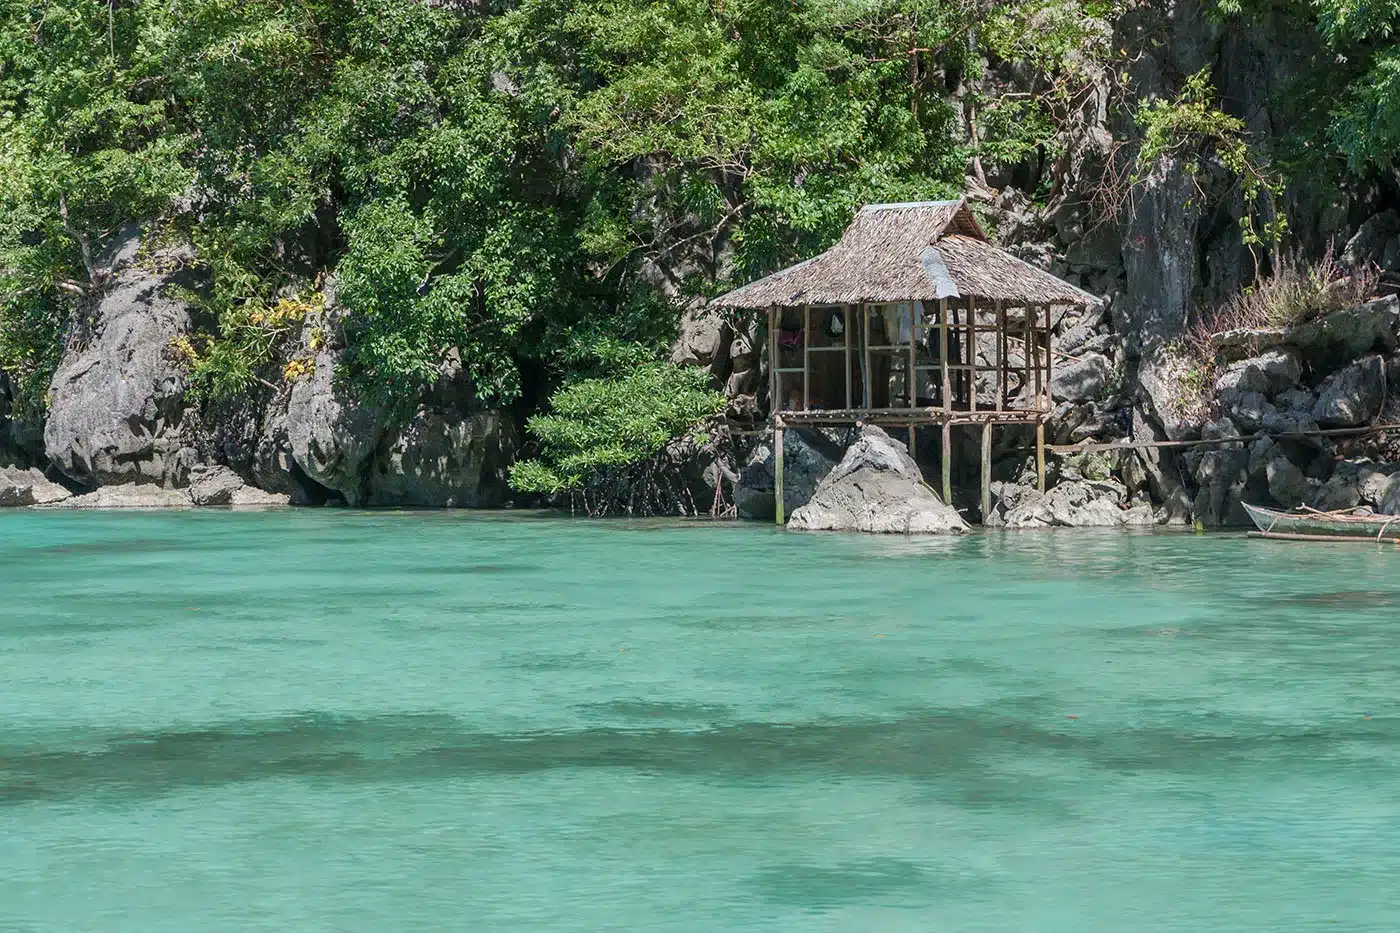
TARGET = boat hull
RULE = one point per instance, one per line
(1322, 526)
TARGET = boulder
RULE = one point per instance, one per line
(1295, 400)
(444, 458)
(1222, 475)
(1352, 396)
(213, 485)
(1344, 335)
(330, 436)
(1269, 373)
(1248, 410)
(117, 399)
(704, 339)
(1389, 503)
(1072, 504)
(28, 487)
(1368, 244)
(1162, 375)
(1342, 491)
(1243, 343)
(1084, 380)
(808, 456)
(1287, 484)
(876, 488)
(253, 497)
(128, 496)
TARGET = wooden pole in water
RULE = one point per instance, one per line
(1040, 454)
(947, 461)
(986, 471)
(778, 472)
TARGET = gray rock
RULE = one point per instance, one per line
(876, 488)
(1369, 242)
(1342, 491)
(1241, 344)
(330, 436)
(442, 458)
(1269, 373)
(1373, 481)
(1249, 410)
(1161, 261)
(1222, 475)
(213, 485)
(117, 405)
(28, 487)
(704, 339)
(1352, 396)
(1287, 484)
(1344, 335)
(1390, 498)
(1160, 375)
(1072, 504)
(1295, 400)
(808, 456)
(127, 496)
(252, 497)
(1084, 380)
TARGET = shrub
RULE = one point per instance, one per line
(1297, 292)
(598, 425)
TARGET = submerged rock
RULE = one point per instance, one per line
(876, 488)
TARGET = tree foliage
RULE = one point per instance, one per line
(533, 184)
(598, 424)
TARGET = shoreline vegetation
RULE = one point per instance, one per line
(429, 254)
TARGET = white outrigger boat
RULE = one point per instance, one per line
(1305, 524)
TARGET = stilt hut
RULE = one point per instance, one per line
(912, 319)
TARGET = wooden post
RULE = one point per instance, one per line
(846, 314)
(943, 355)
(1049, 356)
(1002, 344)
(774, 381)
(971, 344)
(868, 376)
(986, 471)
(778, 471)
(1026, 352)
(806, 357)
(913, 444)
(909, 376)
(1033, 311)
(947, 462)
(1040, 454)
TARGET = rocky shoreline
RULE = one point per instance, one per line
(121, 431)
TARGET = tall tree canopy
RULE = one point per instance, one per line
(534, 183)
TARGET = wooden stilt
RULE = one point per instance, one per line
(778, 471)
(943, 354)
(846, 317)
(986, 471)
(947, 462)
(913, 443)
(1040, 455)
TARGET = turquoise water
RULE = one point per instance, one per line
(335, 721)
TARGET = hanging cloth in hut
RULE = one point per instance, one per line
(899, 323)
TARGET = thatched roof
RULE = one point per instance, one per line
(919, 251)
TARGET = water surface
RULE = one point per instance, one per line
(335, 721)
